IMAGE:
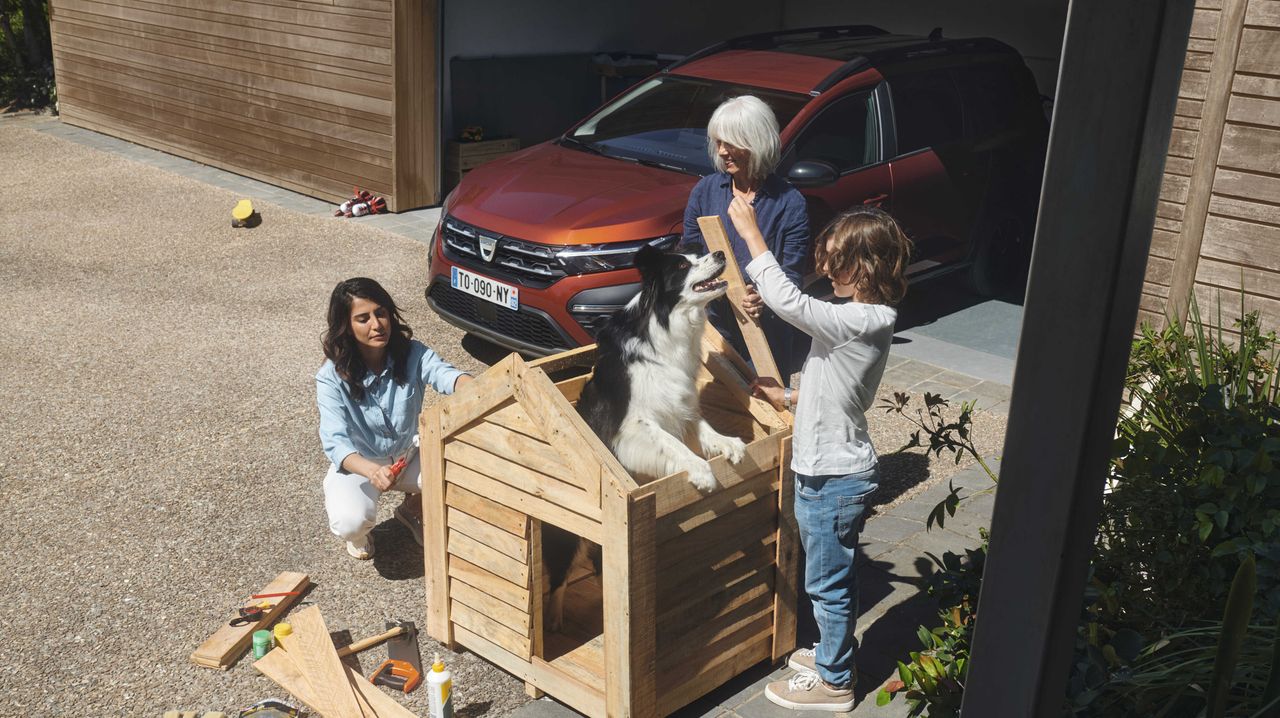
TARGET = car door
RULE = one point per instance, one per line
(936, 178)
(845, 135)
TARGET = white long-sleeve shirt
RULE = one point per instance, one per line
(840, 376)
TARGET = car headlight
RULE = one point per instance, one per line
(588, 258)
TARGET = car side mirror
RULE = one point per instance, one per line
(812, 173)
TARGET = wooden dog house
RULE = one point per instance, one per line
(695, 587)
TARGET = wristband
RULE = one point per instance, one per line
(786, 398)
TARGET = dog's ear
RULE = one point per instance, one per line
(649, 260)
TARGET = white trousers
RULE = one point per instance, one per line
(352, 502)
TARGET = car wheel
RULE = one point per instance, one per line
(1001, 257)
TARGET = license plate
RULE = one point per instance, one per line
(504, 295)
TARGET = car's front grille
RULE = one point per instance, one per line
(526, 263)
(523, 325)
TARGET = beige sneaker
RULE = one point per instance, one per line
(804, 660)
(361, 548)
(806, 691)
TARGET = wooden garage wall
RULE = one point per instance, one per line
(1218, 225)
(311, 95)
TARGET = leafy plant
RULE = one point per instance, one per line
(26, 54)
(950, 435)
(1195, 478)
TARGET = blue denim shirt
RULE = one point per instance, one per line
(382, 425)
(784, 223)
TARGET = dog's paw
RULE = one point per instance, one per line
(729, 447)
(702, 478)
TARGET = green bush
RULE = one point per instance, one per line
(1195, 481)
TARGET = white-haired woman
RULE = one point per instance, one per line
(742, 138)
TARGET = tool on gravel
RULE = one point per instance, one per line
(248, 614)
(276, 595)
(270, 708)
(370, 642)
(402, 671)
(244, 215)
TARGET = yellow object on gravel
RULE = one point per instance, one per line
(243, 210)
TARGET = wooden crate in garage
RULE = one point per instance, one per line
(695, 588)
(462, 157)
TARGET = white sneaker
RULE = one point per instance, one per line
(361, 548)
(806, 691)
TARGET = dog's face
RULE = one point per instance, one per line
(681, 277)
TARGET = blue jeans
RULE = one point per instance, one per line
(830, 511)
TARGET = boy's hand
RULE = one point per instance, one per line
(743, 216)
(768, 388)
(752, 304)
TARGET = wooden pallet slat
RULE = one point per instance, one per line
(229, 643)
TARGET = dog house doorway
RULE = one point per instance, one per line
(575, 647)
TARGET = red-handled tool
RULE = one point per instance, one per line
(397, 467)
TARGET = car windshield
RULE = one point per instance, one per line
(663, 121)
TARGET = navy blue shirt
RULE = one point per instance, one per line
(784, 224)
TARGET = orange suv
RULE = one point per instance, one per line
(534, 251)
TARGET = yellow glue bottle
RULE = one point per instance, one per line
(439, 690)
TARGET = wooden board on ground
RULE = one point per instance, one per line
(312, 649)
(225, 647)
(717, 240)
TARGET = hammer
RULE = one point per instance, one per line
(372, 641)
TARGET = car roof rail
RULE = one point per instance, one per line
(767, 40)
(924, 48)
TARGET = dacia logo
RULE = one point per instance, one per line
(487, 245)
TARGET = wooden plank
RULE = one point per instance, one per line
(1204, 23)
(629, 605)
(583, 663)
(1257, 85)
(1169, 225)
(1198, 61)
(708, 542)
(467, 548)
(435, 542)
(1259, 51)
(1263, 14)
(718, 614)
(514, 418)
(1255, 281)
(488, 391)
(1198, 45)
(228, 643)
(503, 517)
(732, 423)
(571, 389)
(1174, 188)
(533, 506)
(513, 618)
(787, 582)
(584, 699)
(1254, 110)
(281, 668)
(1163, 243)
(482, 625)
(1248, 210)
(1178, 165)
(763, 486)
(713, 234)
(312, 648)
(1209, 297)
(569, 433)
(1194, 85)
(736, 658)
(1186, 123)
(416, 103)
(1159, 270)
(1189, 108)
(489, 583)
(752, 557)
(674, 492)
(1241, 242)
(521, 478)
(581, 357)
(1250, 148)
(1216, 93)
(536, 619)
(1182, 143)
(1247, 185)
(515, 547)
(723, 363)
(531, 453)
(280, 116)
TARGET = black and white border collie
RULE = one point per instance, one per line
(643, 400)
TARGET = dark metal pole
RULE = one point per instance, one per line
(1117, 85)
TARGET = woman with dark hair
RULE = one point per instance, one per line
(369, 393)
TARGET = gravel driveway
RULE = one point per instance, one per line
(160, 450)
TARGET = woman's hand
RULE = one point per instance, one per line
(382, 478)
(768, 388)
(743, 216)
(752, 304)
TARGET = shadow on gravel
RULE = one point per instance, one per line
(397, 557)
